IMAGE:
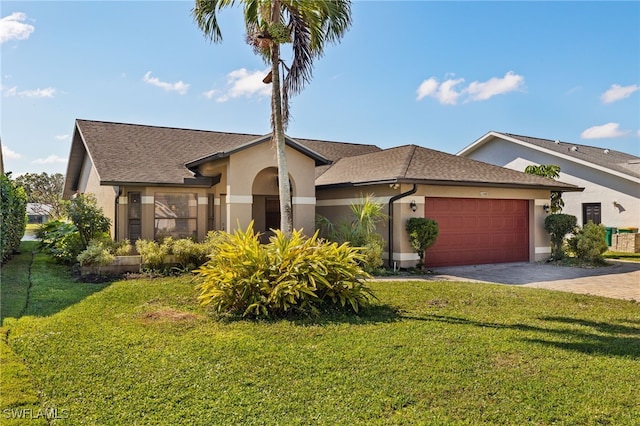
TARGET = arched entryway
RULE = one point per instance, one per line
(266, 201)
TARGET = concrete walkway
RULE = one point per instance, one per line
(620, 281)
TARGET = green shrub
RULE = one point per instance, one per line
(13, 216)
(122, 248)
(558, 226)
(189, 254)
(153, 253)
(360, 231)
(589, 243)
(96, 253)
(290, 274)
(61, 240)
(423, 233)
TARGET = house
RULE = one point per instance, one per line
(38, 213)
(157, 181)
(611, 179)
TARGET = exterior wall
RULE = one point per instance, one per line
(600, 187)
(105, 195)
(334, 204)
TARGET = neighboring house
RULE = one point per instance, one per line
(611, 179)
(38, 213)
(156, 181)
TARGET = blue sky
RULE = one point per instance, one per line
(436, 74)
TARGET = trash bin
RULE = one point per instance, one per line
(625, 230)
(609, 233)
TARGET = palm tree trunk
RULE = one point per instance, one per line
(286, 213)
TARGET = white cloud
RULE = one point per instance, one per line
(448, 92)
(495, 86)
(12, 27)
(245, 83)
(609, 130)
(427, 88)
(48, 92)
(209, 93)
(63, 137)
(179, 86)
(617, 92)
(50, 160)
(9, 154)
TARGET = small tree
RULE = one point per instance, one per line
(87, 216)
(589, 243)
(423, 233)
(550, 171)
(558, 226)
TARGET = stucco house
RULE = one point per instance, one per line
(611, 179)
(158, 181)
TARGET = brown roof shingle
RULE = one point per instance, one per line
(411, 163)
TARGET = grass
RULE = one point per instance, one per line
(631, 257)
(142, 352)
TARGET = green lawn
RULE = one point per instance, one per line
(142, 352)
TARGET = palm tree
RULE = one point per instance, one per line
(308, 25)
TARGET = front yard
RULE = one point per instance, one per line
(142, 352)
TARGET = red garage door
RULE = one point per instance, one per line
(476, 231)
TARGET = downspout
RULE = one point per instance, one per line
(118, 190)
(391, 201)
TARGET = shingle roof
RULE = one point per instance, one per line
(609, 158)
(134, 153)
(411, 163)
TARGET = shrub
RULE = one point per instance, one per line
(13, 216)
(290, 274)
(188, 253)
(423, 233)
(153, 253)
(61, 240)
(558, 226)
(96, 253)
(122, 248)
(360, 231)
(589, 243)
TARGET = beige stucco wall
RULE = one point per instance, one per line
(89, 183)
(334, 204)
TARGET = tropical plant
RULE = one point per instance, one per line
(308, 25)
(96, 253)
(13, 216)
(153, 253)
(61, 240)
(550, 171)
(359, 230)
(423, 233)
(558, 225)
(589, 243)
(290, 274)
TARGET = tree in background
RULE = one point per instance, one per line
(550, 171)
(44, 190)
(308, 25)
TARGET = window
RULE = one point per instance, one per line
(591, 212)
(211, 223)
(175, 215)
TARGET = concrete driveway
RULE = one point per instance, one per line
(621, 280)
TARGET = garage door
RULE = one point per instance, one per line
(476, 231)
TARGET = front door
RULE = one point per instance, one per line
(134, 217)
(591, 212)
(272, 213)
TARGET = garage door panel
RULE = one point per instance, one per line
(476, 231)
